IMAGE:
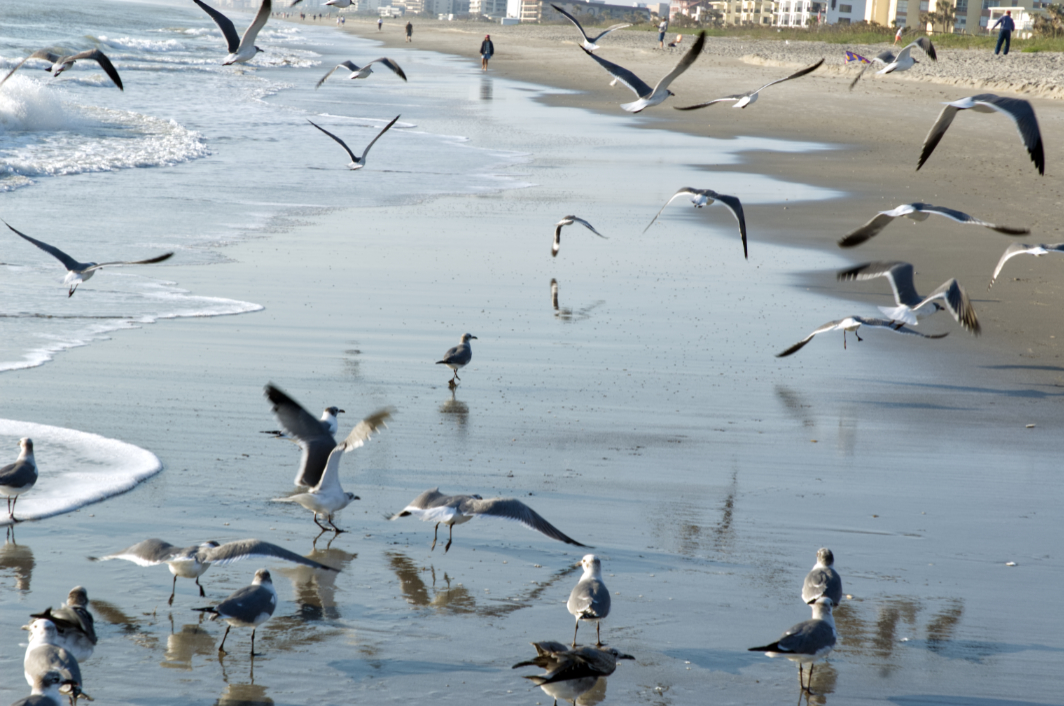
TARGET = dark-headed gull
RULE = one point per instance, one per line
(902, 62)
(357, 162)
(744, 99)
(851, 324)
(74, 624)
(590, 599)
(1023, 249)
(568, 221)
(365, 70)
(241, 49)
(248, 607)
(919, 212)
(589, 42)
(807, 642)
(705, 197)
(650, 96)
(823, 581)
(1020, 111)
(459, 356)
(61, 63)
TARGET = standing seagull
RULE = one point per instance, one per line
(18, 477)
(451, 510)
(43, 655)
(590, 600)
(45, 690)
(650, 96)
(823, 581)
(459, 356)
(910, 305)
(919, 212)
(744, 99)
(1020, 111)
(248, 607)
(78, 272)
(568, 221)
(1023, 249)
(852, 323)
(902, 62)
(62, 63)
(356, 162)
(74, 625)
(589, 42)
(807, 642)
(365, 70)
(704, 197)
(241, 49)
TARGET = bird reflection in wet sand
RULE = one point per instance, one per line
(571, 673)
(244, 695)
(181, 646)
(16, 559)
(565, 313)
(315, 591)
(456, 409)
(486, 89)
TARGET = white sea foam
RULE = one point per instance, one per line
(76, 468)
(142, 45)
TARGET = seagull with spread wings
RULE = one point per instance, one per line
(919, 212)
(241, 49)
(650, 96)
(1023, 249)
(705, 197)
(744, 99)
(365, 70)
(356, 161)
(568, 221)
(61, 63)
(851, 324)
(902, 62)
(589, 42)
(1020, 111)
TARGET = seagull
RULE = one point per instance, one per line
(919, 212)
(807, 642)
(911, 305)
(1021, 249)
(45, 690)
(356, 162)
(328, 421)
(589, 42)
(459, 356)
(902, 62)
(744, 99)
(650, 96)
(43, 655)
(571, 672)
(74, 624)
(241, 49)
(62, 63)
(78, 272)
(364, 71)
(852, 323)
(313, 436)
(704, 197)
(339, 3)
(823, 581)
(590, 599)
(192, 562)
(451, 510)
(18, 477)
(1019, 110)
(328, 497)
(568, 221)
(248, 607)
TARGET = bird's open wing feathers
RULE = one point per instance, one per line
(232, 39)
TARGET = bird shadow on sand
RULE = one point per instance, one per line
(1022, 393)
(976, 651)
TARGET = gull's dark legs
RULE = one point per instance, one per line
(336, 529)
(221, 647)
(598, 634)
(202, 593)
(173, 590)
(576, 630)
(253, 653)
(859, 339)
(435, 533)
(323, 527)
(450, 537)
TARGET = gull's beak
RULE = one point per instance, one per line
(341, 411)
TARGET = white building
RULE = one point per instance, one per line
(796, 13)
(845, 12)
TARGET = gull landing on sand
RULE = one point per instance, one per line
(650, 96)
(62, 63)
(807, 642)
(852, 323)
(357, 162)
(902, 62)
(704, 197)
(78, 272)
(1020, 111)
(568, 221)
(241, 49)
(248, 607)
(919, 212)
(364, 71)
(589, 42)
(1023, 249)
(744, 99)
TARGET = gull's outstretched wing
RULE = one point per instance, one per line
(512, 509)
(232, 39)
(374, 140)
(385, 61)
(684, 63)
(255, 549)
(606, 31)
(68, 262)
(829, 326)
(349, 65)
(577, 23)
(738, 96)
(341, 142)
(796, 74)
(964, 218)
(39, 54)
(261, 17)
(685, 191)
(1023, 249)
(736, 209)
(633, 82)
(147, 553)
(587, 225)
(100, 58)
(149, 261)
(958, 304)
(1023, 116)
(315, 441)
(899, 274)
(867, 231)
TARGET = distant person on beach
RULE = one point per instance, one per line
(409, 31)
(662, 29)
(897, 35)
(486, 51)
(1005, 35)
(379, 23)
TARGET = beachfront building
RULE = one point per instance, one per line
(745, 12)
(487, 8)
(978, 16)
(797, 13)
(537, 10)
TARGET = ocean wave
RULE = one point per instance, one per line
(142, 45)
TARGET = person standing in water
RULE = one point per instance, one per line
(487, 49)
(409, 31)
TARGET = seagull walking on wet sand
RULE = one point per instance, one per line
(808, 642)
(910, 305)
(589, 42)
(705, 197)
(451, 510)
(919, 212)
(74, 624)
(356, 161)
(650, 96)
(852, 323)
(459, 356)
(590, 599)
(744, 99)
(241, 49)
(78, 272)
(1023, 249)
(902, 62)
(365, 70)
(248, 607)
(60, 63)
(192, 562)
(18, 477)
(1020, 111)
(823, 581)
(568, 221)
(570, 673)
(44, 655)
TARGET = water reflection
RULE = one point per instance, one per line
(796, 406)
(17, 559)
(456, 410)
(679, 524)
(565, 313)
(191, 641)
(244, 695)
(894, 623)
(351, 363)
(315, 589)
(486, 89)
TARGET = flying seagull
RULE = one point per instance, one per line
(704, 197)
(62, 63)
(18, 477)
(910, 305)
(568, 221)
(74, 624)
(1023, 249)
(328, 421)
(451, 510)
(650, 96)
(339, 3)
(744, 99)
(902, 62)
(852, 323)
(364, 71)
(919, 212)
(315, 436)
(589, 42)
(192, 562)
(248, 607)
(78, 272)
(823, 581)
(807, 642)
(459, 356)
(357, 162)
(241, 49)
(590, 599)
(1019, 110)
